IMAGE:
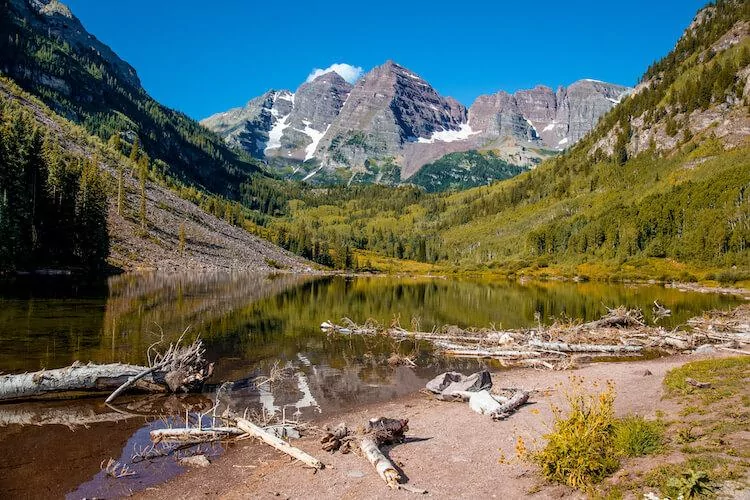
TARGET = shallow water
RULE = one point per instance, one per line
(249, 323)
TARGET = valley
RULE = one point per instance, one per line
(327, 248)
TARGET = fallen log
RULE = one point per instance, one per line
(566, 347)
(184, 368)
(383, 431)
(180, 368)
(281, 445)
(488, 353)
(696, 383)
(485, 403)
(77, 378)
(508, 408)
(194, 435)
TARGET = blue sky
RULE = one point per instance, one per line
(203, 57)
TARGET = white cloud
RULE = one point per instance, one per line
(348, 72)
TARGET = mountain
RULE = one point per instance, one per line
(657, 189)
(392, 122)
(47, 51)
(86, 220)
(281, 123)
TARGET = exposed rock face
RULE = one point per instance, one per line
(284, 124)
(393, 117)
(388, 107)
(55, 19)
(553, 120)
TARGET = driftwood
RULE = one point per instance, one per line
(270, 439)
(76, 378)
(194, 435)
(183, 368)
(620, 331)
(508, 408)
(179, 369)
(379, 432)
(383, 431)
(475, 388)
(565, 347)
(696, 383)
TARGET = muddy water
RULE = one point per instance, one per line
(249, 324)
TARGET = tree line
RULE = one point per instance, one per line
(53, 205)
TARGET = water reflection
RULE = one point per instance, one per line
(251, 324)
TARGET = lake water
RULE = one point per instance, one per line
(249, 324)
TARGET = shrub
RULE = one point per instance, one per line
(579, 450)
(635, 436)
(690, 484)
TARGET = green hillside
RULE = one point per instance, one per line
(590, 208)
(457, 171)
(51, 55)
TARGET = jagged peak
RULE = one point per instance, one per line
(52, 7)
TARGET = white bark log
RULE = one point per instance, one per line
(487, 353)
(194, 435)
(77, 377)
(385, 468)
(518, 399)
(281, 445)
(565, 347)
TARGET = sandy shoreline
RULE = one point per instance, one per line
(454, 453)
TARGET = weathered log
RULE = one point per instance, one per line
(566, 347)
(483, 403)
(487, 353)
(507, 409)
(194, 435)
(384, 467)
(76, 378)
(383, 431)
(281, 445)
(184, 368)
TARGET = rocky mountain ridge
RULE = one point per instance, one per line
(392, 122)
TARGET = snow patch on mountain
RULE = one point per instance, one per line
(464, 132)
(316, 136)
(274, 135)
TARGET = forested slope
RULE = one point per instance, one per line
(665, 177)
(70, 201)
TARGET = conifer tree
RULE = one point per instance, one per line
(134, 151)
(142, 174)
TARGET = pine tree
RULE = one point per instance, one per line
(120, 190)
(142, 174)
(134, 151)
(115, 142)
(182, 238)
(91, 236)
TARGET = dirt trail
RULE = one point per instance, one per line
(454, 453)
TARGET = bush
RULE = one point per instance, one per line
(636, 436)
(579, 450)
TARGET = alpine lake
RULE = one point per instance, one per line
(250, 325)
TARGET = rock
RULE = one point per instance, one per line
(704, 350)
(448, 383)
(195, 461)
(646, 373)
(55, 19)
